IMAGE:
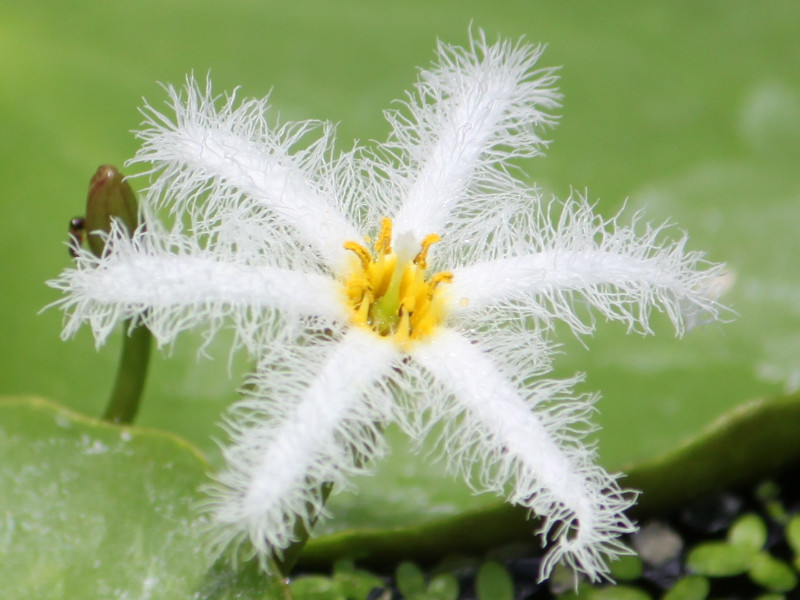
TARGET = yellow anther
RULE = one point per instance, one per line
(363, 254)
(420, 259)
(443, 277)
(384, 243)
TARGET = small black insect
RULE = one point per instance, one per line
(76, 235)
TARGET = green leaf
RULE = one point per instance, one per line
(748, 531)
(772, 573)
(719, 559)
(493, 582)
(768, 494)
(224, 581)
(793, 534)
(740, 447)
(91, 509)
(356, 584)
(692, 587)
(409, 579)
(626, 568)
(617, 592)
(584, 592)
(316, 587)
(443, 587)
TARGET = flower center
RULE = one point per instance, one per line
(391, 294)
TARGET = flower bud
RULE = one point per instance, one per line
(109, 196)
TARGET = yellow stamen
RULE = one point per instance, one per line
(384, 243)
(362, 312)
(443, 277)
(403, 332)
(420, 259)
(363, 254)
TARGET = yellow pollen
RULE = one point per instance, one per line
(395, 298)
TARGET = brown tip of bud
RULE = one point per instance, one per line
(109, 197)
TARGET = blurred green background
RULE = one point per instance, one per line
(690, 111)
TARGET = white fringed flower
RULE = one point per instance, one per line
(439, 315)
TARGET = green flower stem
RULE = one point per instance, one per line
(302, 533)
(131, 374)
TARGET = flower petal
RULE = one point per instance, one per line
(617, 271)
(476, 109)
(172, 285)
(221, 160)
(313, 418)
(532, 443)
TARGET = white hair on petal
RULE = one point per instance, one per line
(170, 284)
(562, 266)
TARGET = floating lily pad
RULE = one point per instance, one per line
(94, 511)
(740, 447)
